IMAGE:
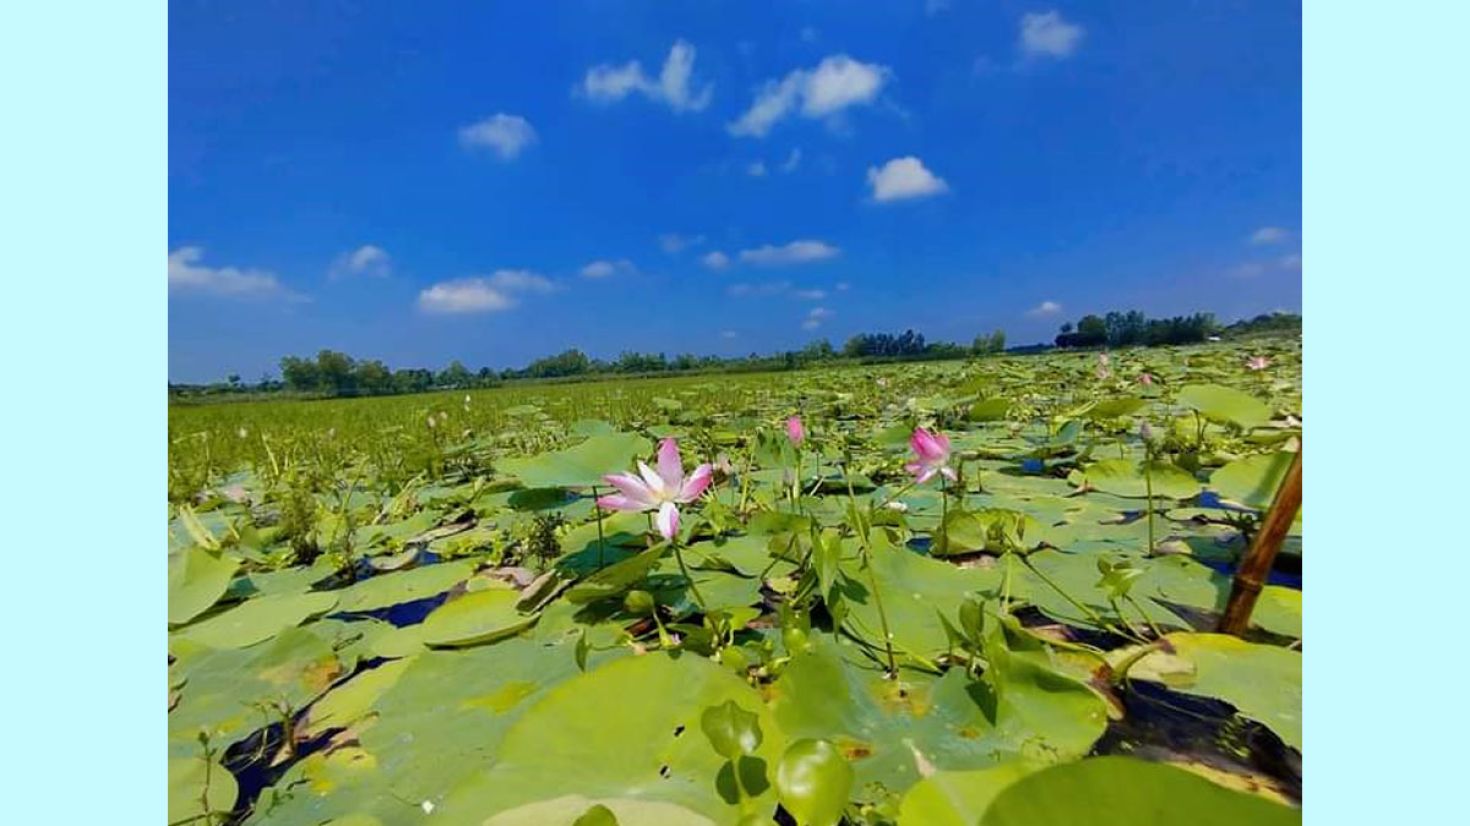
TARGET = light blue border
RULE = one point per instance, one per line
(83, 326)
(1386, 227)
(83, 330)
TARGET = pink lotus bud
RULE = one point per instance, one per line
(794, 431)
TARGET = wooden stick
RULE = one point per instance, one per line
(1251, 574)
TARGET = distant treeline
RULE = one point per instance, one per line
(331, 373)
(1133, 328)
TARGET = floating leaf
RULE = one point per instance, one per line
(194, 784)
(561, 746)
(582, 465)
(478, 617)
(258, 619)
(197, 578)
(1111, 791)
(1225, 404)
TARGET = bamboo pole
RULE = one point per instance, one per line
(1251, 574)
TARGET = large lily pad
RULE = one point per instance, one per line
(259, 619)
(1225, 404)
(197, 578)
(563, 745)
(403, 586)
(582, 465)
(896, 732)
(477, 617)
(1263, 682)
(1112, 791)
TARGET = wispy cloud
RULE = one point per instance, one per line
(763, 290)
(188, 274)
(367, 260)
(903, 179)
(1044, 309)
(810, 295)
(673, 87)
(792, 161)
(1269, 235)
(1047, 34)
(605, 269)
(505, 135)
(1292, 262)
(482, 294)
(729, 334)
(815, 317)
(756, 169)
(673, 243)
(796, 252)
(716, 260)
(835, 84)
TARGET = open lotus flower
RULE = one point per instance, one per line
(1145, 379)
(794, 431)
(662, 490)
(1257, 363)
(932, 450)
(1104, 368)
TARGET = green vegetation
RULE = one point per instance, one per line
(977, 590)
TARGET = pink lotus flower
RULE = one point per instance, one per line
(1104, 371)
(662, 491)
(794, 431)
(1145, 379)
(1257, 363)
(932, 450)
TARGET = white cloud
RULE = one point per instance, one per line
(187, 274)
(1046, 34)
(796, 252)
(482, 294)
(757, 169)
(808, 34)
(904, 178)
(1250, 269)
(836, 83)
(810, 295)
(792, 161)
(716, 260)
(1044, 309)
(843, 286)
(815, 317)
(603, 269)
(729, 334)
(368, 259)
(1269, 235)
(1291, 262)
(607, 83)
(765, 290)
(674, 243)
(506, 135)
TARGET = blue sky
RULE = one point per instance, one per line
(492, 182)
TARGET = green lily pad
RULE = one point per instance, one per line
(1263, 682)
(1225, 404)
(476, 617)
(957, 798)
(1125, 477)
(197, 578)
(561, 746)
(188, 797)
(258, 619)
(582, 465)
(1109, 791)
(387, 590)
(1253, 480)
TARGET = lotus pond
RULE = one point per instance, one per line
(950, 593)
